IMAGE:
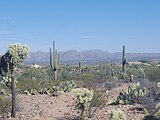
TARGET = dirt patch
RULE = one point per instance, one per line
(45, 107)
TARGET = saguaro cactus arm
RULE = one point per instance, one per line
(51, 60)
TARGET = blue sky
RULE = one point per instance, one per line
(81, 24)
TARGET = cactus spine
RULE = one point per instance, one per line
(123, 61)
(54, 61)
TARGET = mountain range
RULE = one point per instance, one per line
(89, 57)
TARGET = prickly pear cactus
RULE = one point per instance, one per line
(133, 92)
(31, 92)
(67, 86)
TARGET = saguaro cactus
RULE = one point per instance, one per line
(79, 64)
(123, 60)
(54, 61)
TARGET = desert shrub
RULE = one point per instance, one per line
(117, 114)
(85, 80)
(19, 107)
(153, 74)
(112, 84)
(152, 97)
(150, 117)
(157, 114)
(5, 105)
(33, 74)
(28, 84)
(144, 61)
(36, 84)
(98, 101)
(66, 86)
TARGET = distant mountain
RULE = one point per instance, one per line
(89, 57)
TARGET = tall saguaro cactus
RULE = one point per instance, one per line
(123, 60)
(54, 61)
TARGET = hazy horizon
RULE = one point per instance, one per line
(91, 50)
(81, 25)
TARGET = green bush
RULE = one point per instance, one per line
(5, 105)
(33, 74)
(29, 84)
(153, 74)
(98, 101)
(66, 86)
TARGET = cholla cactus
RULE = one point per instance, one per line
(13, 58)
(117, 114)
(84, 97)
(158, 84)
(18, 53)
(3, 92)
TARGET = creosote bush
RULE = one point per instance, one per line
(5, 105)
(66, 86)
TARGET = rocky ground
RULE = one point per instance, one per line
(62, 107)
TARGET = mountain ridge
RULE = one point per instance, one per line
(89, 55)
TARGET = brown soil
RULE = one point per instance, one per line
(45, 107)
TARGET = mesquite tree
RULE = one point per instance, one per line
(9, 62)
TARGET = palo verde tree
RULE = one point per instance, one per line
(8, 64)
